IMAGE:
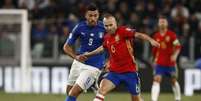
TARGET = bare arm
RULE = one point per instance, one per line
(177, 48)
(97, 51)
(147, 38)
(69, 51)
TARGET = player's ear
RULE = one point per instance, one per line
(98, 13)
(86, 15)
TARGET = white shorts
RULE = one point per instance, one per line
(83, 75)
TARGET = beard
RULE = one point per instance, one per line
(92, 23)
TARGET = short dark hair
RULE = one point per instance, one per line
(92, 7)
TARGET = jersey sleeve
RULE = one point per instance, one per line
(73, 35)
(128, 32)
(175, 41)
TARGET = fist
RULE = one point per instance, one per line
(81, 58)
(155, 43)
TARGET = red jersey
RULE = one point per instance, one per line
(119, 46)
(163, 54)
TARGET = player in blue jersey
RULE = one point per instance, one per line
(90, 33)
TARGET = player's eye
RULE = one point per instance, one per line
(90, 15)
(95, 15)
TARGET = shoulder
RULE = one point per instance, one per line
(100, 24)
(155, 34)
(171, 33)
(125, 29)
(122, 28)
(81, 24)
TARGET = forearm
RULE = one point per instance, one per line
(69, 51)
(177, 48)
(176, 52)
(97, 51)
(143, 36)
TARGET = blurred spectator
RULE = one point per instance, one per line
(134, 20)
(33, 4)
(198, 42)
(29, 4)
(8, 4)
(180, 13)
(198, 63)
(39, 36)
(111, 5)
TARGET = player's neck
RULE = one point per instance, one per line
(163, 31)
(90, 24)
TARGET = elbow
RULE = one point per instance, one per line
(65, 48)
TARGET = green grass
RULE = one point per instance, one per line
(114, 96)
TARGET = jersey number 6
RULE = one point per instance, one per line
(113, 49)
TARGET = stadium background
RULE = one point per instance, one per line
(52, 20)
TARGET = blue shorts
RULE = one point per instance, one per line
(130, 80)
(165, 71)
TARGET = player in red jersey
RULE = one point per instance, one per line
(123, 68)
(165, 59)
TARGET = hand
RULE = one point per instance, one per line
(155, 43)
(107, 66)
(86, 54)
(173, 58)
(81, 58)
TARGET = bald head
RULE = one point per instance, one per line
(110, 23)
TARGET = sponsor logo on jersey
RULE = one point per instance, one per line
(82, 33)
(100, 35)
(92, 34)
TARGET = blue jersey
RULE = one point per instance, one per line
(91, 37)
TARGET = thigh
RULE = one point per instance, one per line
(159, 71)
(106, 86)
(172, 73)
(74, 73)
(85, 79)
(113, 77)
(132, 83)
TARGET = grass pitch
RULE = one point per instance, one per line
(113, 96)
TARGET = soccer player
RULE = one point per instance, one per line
(123, 68)
(165, 59)
(90, 33)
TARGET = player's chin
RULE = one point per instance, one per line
(93, 23)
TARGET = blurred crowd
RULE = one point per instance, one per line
(57, 18)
